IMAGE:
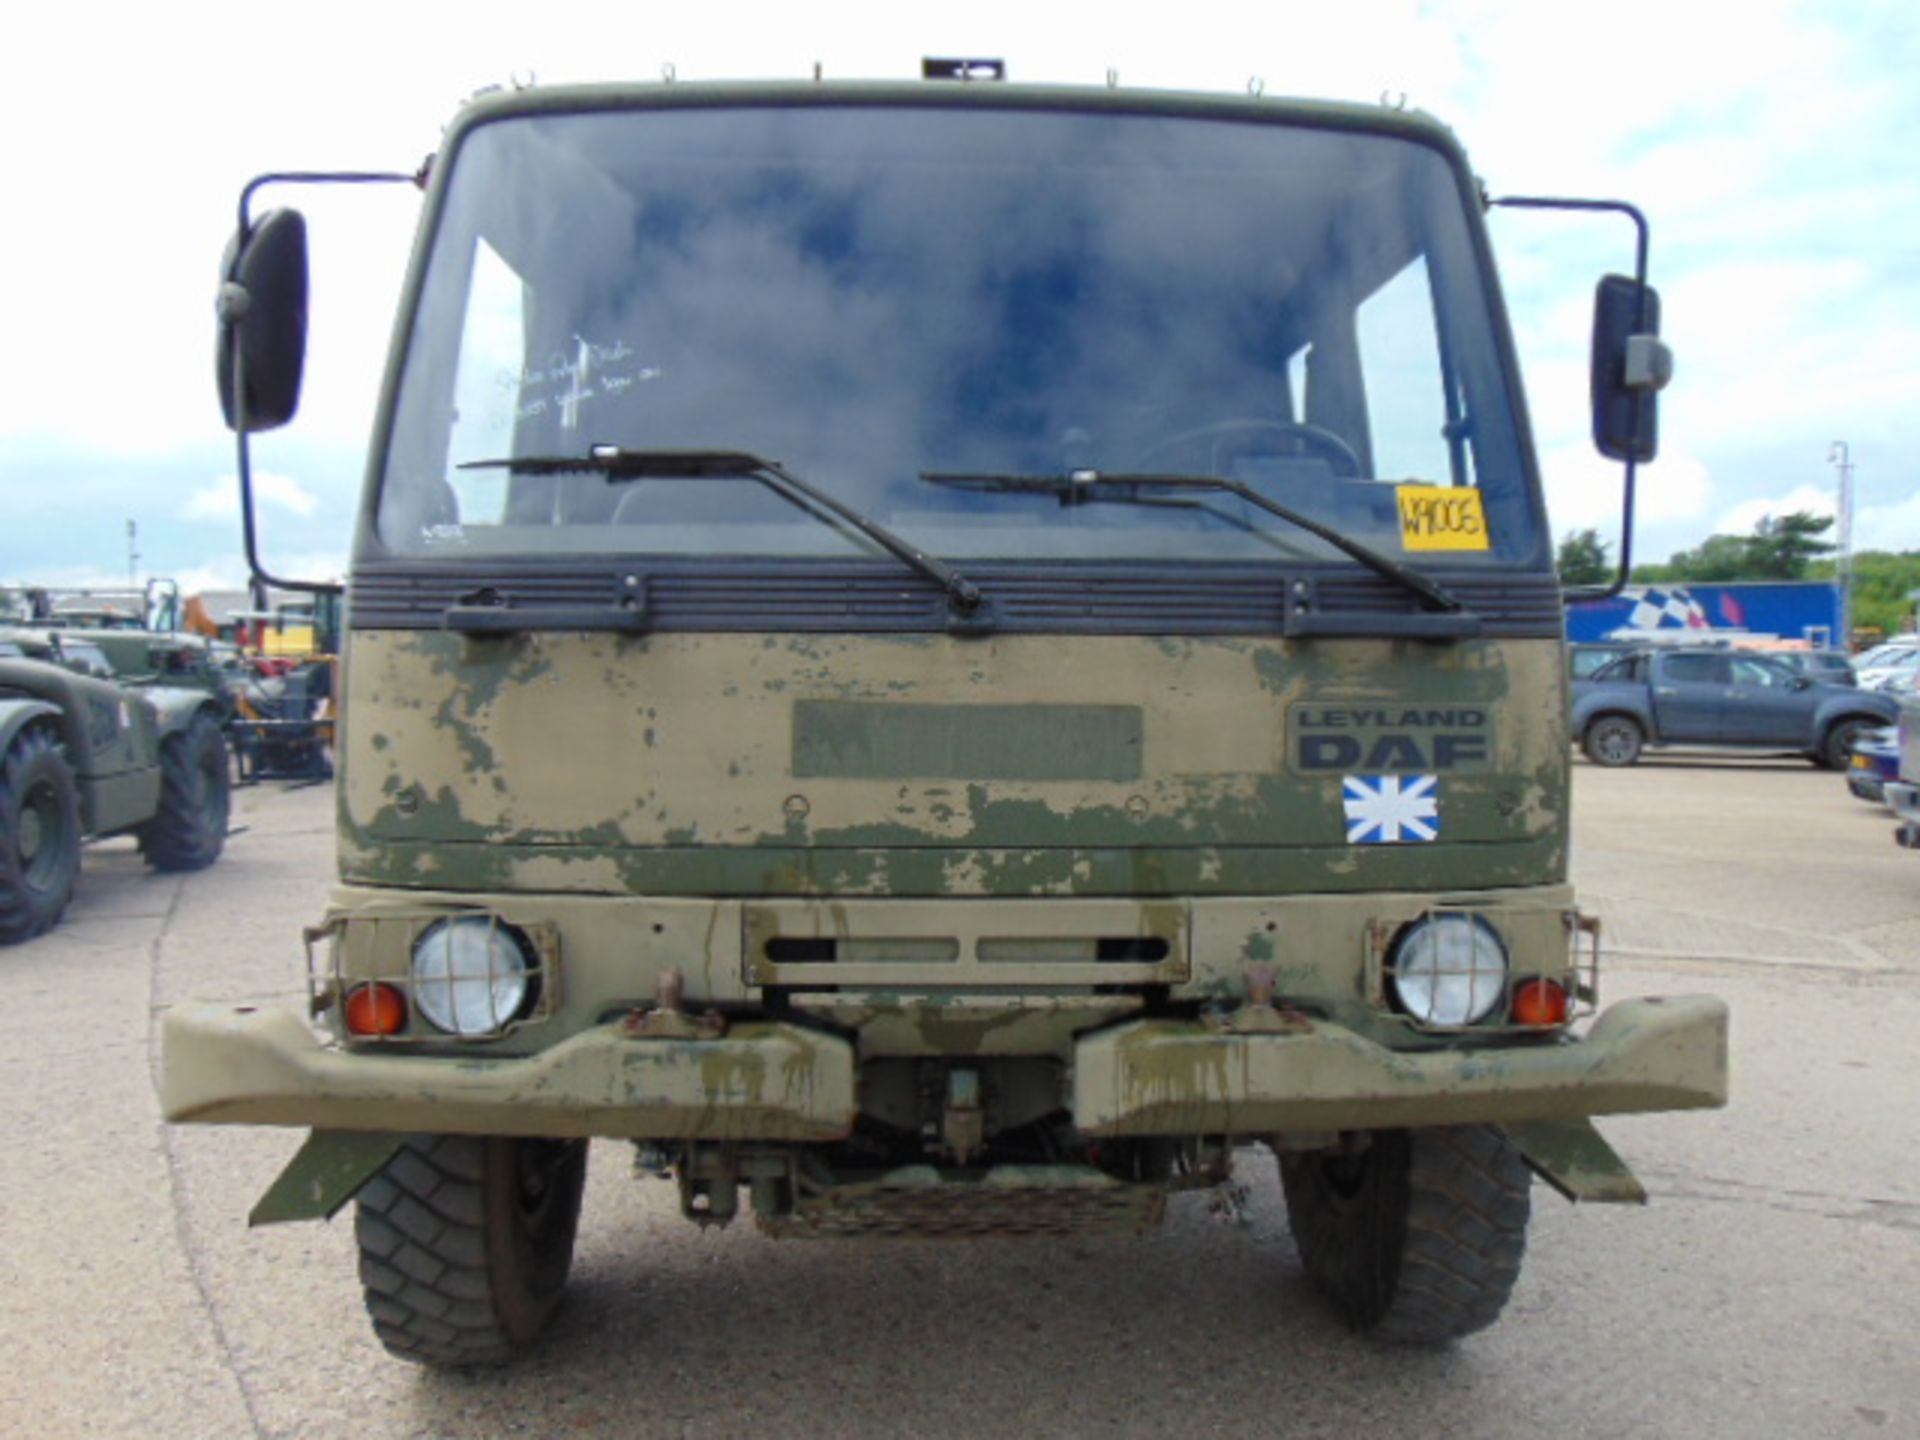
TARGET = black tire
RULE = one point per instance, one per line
(1836, 746)
(1416, 1239)
(39, 836)
(190, 827)
(1613, 740)
(465, 1244)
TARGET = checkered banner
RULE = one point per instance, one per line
(1655, 609)
(1392, 809)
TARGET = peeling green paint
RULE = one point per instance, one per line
(329, 1169)
(851, 740)
(477, 753)
(685, 867)
(691, 789)
(1574, 1158)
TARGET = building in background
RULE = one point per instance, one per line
(1804, 612)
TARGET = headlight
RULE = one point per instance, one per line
(471, 976)
(1448, 969)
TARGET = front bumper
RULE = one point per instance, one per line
(1156, 1077)
(222, 1065)
(1865, 785)
(773, 1081)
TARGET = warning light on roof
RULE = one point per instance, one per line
(931, 69)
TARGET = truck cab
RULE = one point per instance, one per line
(941, 658)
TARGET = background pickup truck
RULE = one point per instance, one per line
(1720, 698)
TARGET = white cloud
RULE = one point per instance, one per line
(75, 577)
(1891, 525)
(1888, 527)
(1779, 186)
(219, 500)
(1742, 518)
(1586, 490)
(230, 572)
(223, 574)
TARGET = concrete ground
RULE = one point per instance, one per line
(1772, 1288)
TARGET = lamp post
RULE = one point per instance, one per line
(1841, 459)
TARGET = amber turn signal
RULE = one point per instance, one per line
(376, 1009)
(1541, 1003)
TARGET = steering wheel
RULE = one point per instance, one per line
(1230, 439)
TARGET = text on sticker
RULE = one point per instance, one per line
(1442, 517)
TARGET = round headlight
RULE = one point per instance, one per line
(1448, 969)
(471, 976)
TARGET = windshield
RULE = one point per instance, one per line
(1889, 657)
(869, 295)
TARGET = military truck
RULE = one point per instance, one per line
(84, 757)
(175, 659)
(947, 660)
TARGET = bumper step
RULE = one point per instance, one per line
(919, 1202)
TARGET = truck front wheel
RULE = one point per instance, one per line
(1416, 1238)
(1612, 740)
(190, 827)
(39, 836)
(465, 1244)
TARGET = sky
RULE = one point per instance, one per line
(1770, 144)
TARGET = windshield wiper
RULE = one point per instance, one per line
(1078, 486)
(617, 464)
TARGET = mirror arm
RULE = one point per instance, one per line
(1619, 582)
(261, 579)
(1639, 219)
(1621, 207)
(418, 179)
(233, 302)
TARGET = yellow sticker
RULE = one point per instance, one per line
(1442, 517)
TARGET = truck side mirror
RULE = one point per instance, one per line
(263, 319)
(1630, 367)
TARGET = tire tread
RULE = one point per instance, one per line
(432, 1284)
(26, 911)
(1449, 1236)
(189, 829)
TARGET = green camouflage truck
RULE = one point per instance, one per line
(83, 757)
(945, 659)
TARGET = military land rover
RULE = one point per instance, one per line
(84, 757)
(944, 659)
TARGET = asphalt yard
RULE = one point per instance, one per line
(1771, 1288)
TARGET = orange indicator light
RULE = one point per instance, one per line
(376, 1010)
(1541, 1003)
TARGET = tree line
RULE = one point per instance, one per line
(1781, 547)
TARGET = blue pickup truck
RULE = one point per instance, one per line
(1723, 699)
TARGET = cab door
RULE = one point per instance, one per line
(1767, 704)
(1690, 697)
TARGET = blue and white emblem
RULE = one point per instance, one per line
(1392, 809)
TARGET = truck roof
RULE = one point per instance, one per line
(496, 104)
